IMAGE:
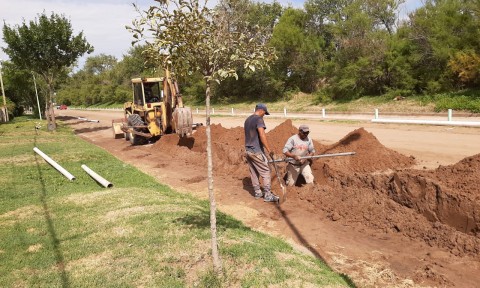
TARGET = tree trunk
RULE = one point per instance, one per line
(50, 114)
(217, 262)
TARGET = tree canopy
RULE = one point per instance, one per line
(46, 46)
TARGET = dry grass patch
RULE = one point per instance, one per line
(122, 231)
(92, 197)
(114, 215)
(34, 248)
(18, 160)
(93, 263)
(366, 274)
(11, 217)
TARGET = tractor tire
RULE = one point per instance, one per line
(135, 120)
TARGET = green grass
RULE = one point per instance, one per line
(61, 233)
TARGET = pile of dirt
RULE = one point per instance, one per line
(374, 188)
(370, 154)
(448, 197)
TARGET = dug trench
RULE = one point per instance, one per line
(371, 216)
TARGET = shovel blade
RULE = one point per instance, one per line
(283, 197)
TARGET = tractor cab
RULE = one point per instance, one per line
(147, 91)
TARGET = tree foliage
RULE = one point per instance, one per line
(46, 46)
(466, 65)
(339, 49)
(437, 31)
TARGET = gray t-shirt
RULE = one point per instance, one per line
(252, 138)
(299, 147)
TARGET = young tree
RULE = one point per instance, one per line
(48, 47)
(189, 37)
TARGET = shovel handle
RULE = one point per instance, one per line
(284, 191)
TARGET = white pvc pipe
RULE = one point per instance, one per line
(428, 122)
(323, 112)
(449, 114)
(376, 113)
(285, 111)
(85, 119)
(97, 177)
(54, 164)
(232, 112)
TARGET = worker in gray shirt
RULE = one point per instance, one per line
(297, 146)
(255, 145)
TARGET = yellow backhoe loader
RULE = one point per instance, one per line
(157, 109)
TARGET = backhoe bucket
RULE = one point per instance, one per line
(183, 120)
(117, 125)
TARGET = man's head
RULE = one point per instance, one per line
(261, 106)
(303, 131)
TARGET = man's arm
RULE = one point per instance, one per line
(288, 148)
(311, 149)
(263, 139)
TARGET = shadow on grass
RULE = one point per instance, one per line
(202, 220)
(60, 262)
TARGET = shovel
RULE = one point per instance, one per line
(284, 190)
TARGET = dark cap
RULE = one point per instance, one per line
(263, 107)
(304, 128)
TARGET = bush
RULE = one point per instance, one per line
(466, 101)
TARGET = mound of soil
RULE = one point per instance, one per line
(373, 188)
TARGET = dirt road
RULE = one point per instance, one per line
(390, 216)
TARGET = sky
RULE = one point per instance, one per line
(101, 21)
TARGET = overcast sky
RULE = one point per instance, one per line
(102, 21)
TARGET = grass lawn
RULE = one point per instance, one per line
(60, 233)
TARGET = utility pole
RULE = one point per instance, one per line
(36, 93)
(5, 110)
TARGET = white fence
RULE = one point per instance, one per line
(472, 120)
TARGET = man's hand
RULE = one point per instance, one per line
(272, 154)
(296, 157)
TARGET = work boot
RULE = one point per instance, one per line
(258, 194)
(270, 197)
